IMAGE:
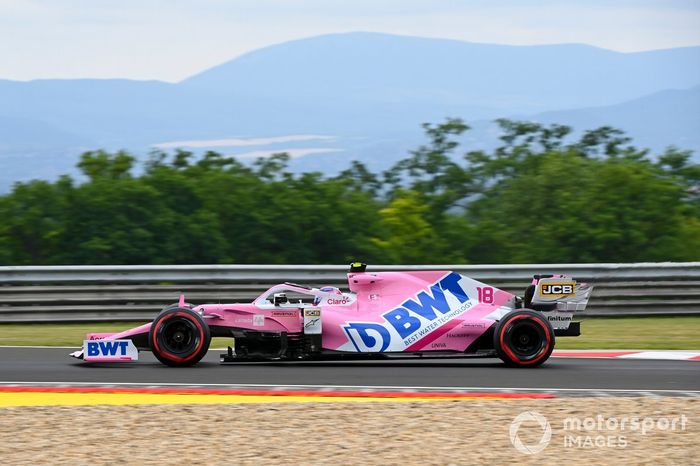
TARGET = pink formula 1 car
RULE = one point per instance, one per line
(439, 313)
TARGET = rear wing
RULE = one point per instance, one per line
(560, 292)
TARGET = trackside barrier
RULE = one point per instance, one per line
(135, 293)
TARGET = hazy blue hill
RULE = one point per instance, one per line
(36, 149)
(350, 83)
(371, 67)
(370, 91)
(104, 110)
(654, 121)
(36, 134)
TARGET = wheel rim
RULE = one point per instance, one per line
(526, 339)
(178, 335)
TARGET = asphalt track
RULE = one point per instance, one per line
(572, 376)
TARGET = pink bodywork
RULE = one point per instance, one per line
(358, 322)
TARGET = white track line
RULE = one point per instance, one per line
(666, 355)
(361, 387)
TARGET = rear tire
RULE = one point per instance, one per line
(524, 338)
(179, 337)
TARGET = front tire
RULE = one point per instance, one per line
(179, 337)
(524, 338)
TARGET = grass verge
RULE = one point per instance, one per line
(68, 334)
(670, 332)
(681, 332)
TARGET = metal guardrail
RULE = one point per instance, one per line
(137, 293)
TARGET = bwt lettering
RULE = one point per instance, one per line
(431, 305)
(107, 348)
(426, 306)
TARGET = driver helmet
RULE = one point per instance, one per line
(279, 298)
(331, 289)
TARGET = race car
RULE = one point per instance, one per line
(412, 313)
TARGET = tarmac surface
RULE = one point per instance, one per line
(599, 377)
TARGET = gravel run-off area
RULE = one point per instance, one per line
(460, 432)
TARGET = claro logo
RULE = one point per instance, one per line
(338, 301)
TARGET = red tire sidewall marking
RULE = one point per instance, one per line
(512, 355)
(170, 355)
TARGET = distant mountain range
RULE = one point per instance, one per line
(366, 94)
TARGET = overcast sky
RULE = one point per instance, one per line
(172, 39)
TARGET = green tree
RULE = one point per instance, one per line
(574, 209)
(410, 237)
(432, 173)
(34, 222)
(539, 197)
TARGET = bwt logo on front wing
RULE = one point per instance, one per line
(109, 350)
(412, 320)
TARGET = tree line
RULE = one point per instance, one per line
(537, 198)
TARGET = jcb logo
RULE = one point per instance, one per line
(558, 289)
